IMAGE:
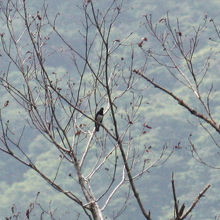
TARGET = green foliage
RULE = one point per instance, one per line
(167, 119)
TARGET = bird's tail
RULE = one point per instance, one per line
(97, 128)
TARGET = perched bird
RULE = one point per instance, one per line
(98, 118)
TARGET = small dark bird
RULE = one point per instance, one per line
(98, 118)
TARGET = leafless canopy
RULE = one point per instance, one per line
(60, 104)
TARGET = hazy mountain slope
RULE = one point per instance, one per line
(170, 123)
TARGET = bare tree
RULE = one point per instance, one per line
(16, 214)
(176, 53)
(62, 106)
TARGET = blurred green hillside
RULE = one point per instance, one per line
(170, 123)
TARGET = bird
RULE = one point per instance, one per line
(98, 117)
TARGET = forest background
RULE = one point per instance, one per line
(172, 139)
